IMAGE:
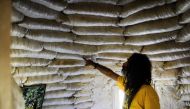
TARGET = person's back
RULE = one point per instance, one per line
(145, 98)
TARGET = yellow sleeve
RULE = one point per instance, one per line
(151, 99)
(121, 82)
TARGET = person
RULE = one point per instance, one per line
(135, 82)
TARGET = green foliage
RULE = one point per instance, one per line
(34, 96)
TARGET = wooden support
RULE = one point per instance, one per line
(10, 94)
(5, 75)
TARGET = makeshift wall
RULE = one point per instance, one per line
(103, 92)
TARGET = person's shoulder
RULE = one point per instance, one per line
(121, 82)
(121, 79)
(148, 89)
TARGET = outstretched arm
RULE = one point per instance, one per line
(104, 70)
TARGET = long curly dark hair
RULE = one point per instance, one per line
(137, 71)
